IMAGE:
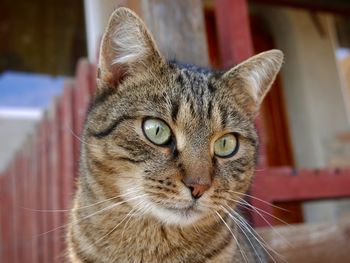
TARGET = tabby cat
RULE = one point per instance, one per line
(168, 152)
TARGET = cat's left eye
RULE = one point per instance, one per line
(157, 131)
(226, 146)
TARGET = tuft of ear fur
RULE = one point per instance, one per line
(254, 77)
(127, 48)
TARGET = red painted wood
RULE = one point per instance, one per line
(82, 93)
(284, 184)
(43, 199)
(55, 182)
(34, 185)
(5, 216)
(20, 204)
(68, 144)
(13, 220)
(233, 31)
(281, 185)
(2, 215)
(27, 214)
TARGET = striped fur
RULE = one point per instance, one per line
(131, 204)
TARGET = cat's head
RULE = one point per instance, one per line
(176, 142)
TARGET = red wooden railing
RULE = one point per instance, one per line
(40, 179)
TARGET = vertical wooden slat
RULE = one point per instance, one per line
(178, 27)
(67, 141)
(55, 173)
(5, 225)
(19, 207)
(82, 94)
(34, 187)
(3, 212)
(13, 220)
(25, 206)
(67, 152)
(43, 238)
(233, 31)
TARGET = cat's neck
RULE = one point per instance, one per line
(122, 234)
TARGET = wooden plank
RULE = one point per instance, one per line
(310, 243)
(13, 220)
(285, 184)
(2, 215)
(68, 143)
(68, 150)
(177, 26)
(21, 205)
(33, 201)
(42, 199)
(82, 94)
(55, 179)
(233, 31)
(5, 216)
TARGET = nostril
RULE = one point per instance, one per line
(195, 194)
(197, 190)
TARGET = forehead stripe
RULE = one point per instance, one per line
(105, 132)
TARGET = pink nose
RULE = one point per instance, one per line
(197, 190)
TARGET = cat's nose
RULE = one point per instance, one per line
(197, 190)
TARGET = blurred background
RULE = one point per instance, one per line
(48, 54)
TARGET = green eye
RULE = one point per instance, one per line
(226, 146)
(156, 131)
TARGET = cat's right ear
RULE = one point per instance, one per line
(127, 48)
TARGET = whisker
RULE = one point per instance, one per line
(240, 227)
(114, 228)
(135, 212)
(82, 207)
(258, 237)
(234, 237)
(263, 211)
(258, 199)
(270, 225)
(86, 217)
(80, 139)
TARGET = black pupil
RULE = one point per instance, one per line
(157, 130)
(224, 143)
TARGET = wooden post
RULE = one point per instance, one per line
(177, 26)
(233, 31)
(55, 178)
(67, 140)
(34, 190)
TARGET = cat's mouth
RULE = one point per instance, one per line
(189, 210)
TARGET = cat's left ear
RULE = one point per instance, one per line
(252, 79)
(127, 49)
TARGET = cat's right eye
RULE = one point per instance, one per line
(156, 131)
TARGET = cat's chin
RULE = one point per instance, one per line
(177, 216)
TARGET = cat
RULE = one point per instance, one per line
(168, 152)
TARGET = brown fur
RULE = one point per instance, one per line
(131, 204)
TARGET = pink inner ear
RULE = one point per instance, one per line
(115, 75)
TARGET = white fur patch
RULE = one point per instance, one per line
(128, 43)
(263, 72)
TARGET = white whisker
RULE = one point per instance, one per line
(244, 233)
(234, 237)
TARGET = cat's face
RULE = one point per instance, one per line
(176, 142)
